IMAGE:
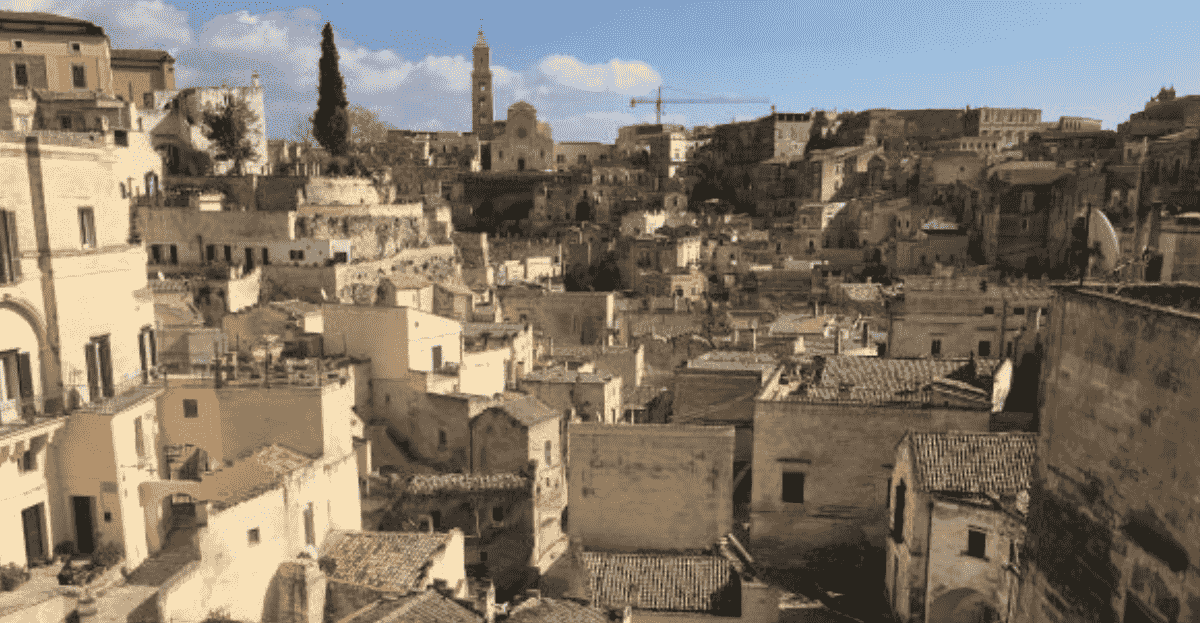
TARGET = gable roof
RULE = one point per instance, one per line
(257, 472)
(658, 582)
(525, 409)
(544, 610)
(425, 607)
(388, 561)
(433, 484)
(869, 379)
(960, 462)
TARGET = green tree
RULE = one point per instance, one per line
(366, 128)
(231, 130)
(331, 121)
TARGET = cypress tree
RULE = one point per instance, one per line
(331, 123)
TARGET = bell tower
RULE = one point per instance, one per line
(481, 90)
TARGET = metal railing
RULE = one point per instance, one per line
(125, 393)
(14, 410)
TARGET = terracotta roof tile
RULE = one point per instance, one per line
(424, 607)
(429, 484)
(546, 610)
(388, 561)
(255, 473)
(658, 582)
(527, 410)
(959, 462)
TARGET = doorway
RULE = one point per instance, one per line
(520, 164)
(249, 258)
(85, 526)
(35, 539)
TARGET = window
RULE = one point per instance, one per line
(1008, 349)
(497, 514)
(20, 75)
(935, 348)
(985, 348)
(252, 536)
(191, 408)
(139, 443)
(976, 544)
(18, 45)
(436, 518)
(296, 254)
(266, 259)
(28, 461)
(442, 439)
(174, 254)
(75, 47)
(482, 556)
(16, 375)
(87, 227)
(898, 513)
(1024, 224)
(310, 530)
(989, 310)
(156, 254)
(1045, 311)
(10, 251)
(549, 451)
(210, 252)
(228, 254)
(1012, 553)
(78, 77)
(1018, 311)
(793, 487)
(98, 356)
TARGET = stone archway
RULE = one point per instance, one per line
(48, 367)
(156, 495)
(963, 605)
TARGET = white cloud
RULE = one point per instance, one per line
(616, 76)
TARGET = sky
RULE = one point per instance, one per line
(579, 63)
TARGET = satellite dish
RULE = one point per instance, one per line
(1101, 232)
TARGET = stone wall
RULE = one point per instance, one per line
(1112, 512)
(649, 486)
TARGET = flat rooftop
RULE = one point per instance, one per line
(1179, 297)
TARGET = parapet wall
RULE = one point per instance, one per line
(340, 191)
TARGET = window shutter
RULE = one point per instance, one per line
(93, 378)
(25, 372)
(14, 250)
(106, 368)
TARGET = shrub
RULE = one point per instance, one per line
(12, 576)
(65, 548)
(108, 555)
(220, 615)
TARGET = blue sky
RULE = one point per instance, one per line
(579, 63)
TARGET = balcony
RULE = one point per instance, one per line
(18, 410)
(126, 393)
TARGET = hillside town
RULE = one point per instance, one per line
(917, 366)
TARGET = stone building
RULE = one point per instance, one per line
(957, 503)
(138, 74)
(523, 143)
(482, 95)
(820, 477)
(649, 486)
(954, 318)
(588, 396)
(1009, 126)
(175, 120)
(1112, 534)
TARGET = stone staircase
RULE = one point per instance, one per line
(181, 549)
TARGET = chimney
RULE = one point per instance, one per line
(489, 604)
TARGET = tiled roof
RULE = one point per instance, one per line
(388, 561)
(495, 329)
(256, 473)
(141, 55)
(429, 484)
(425, 607)
(657, 582)
(799, 324)
(733, 360)
(544, 610)
(405, 281)
(638, 397)
(527, 410)
(995, 463)
(871, 380)
(36, 16)
(863, 292)
(296, 308)
(558, 375)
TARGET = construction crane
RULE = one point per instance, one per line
(659, 101)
